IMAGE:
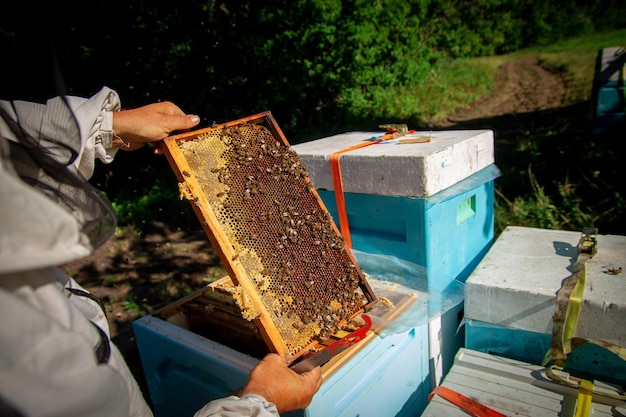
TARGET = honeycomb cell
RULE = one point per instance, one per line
(259, 194)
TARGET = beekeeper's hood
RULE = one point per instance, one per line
(49, 213)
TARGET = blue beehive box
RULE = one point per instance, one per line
(386, 374)
(511, 296)
(448, 233)
(608, 89)
(184, 371)
(427, 203)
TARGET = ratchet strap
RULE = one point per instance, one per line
(583, 400)
(467, 404)
(567, 310)
(569, 301)
(335, 171)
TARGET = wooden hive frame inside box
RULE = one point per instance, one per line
(292, 273)
(212, 312)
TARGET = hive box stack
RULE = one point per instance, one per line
(427, 203)
(511, 388)
(510, 299)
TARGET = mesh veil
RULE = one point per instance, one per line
(43, 154)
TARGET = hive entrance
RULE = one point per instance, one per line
(291, 271)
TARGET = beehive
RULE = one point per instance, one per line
(293, 276)
(510, 299)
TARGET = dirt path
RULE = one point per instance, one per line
(521, 86)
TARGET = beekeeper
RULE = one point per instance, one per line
(56, 357)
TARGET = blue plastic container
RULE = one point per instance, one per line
(447, 233)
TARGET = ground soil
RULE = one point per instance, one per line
(521, 86)
(138, 272)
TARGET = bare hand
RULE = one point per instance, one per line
(153, 122)
(273, 380)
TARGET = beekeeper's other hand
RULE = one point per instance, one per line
(135, 127)
(273, 380)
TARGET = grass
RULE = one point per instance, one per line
(109, 280)
(556, 175)
(450, 85)
(576, 57)
(132, 305)
(456, 83)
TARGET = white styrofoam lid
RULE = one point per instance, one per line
(516, 283)
(611, 62)
(391, 168)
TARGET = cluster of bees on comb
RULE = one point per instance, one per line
(281, 233)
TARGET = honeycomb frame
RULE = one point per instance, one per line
(293, 275)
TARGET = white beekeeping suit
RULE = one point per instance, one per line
(56, 358)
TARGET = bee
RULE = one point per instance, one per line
(186, 174)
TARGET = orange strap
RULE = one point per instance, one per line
(335, 170)
(473, 407)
